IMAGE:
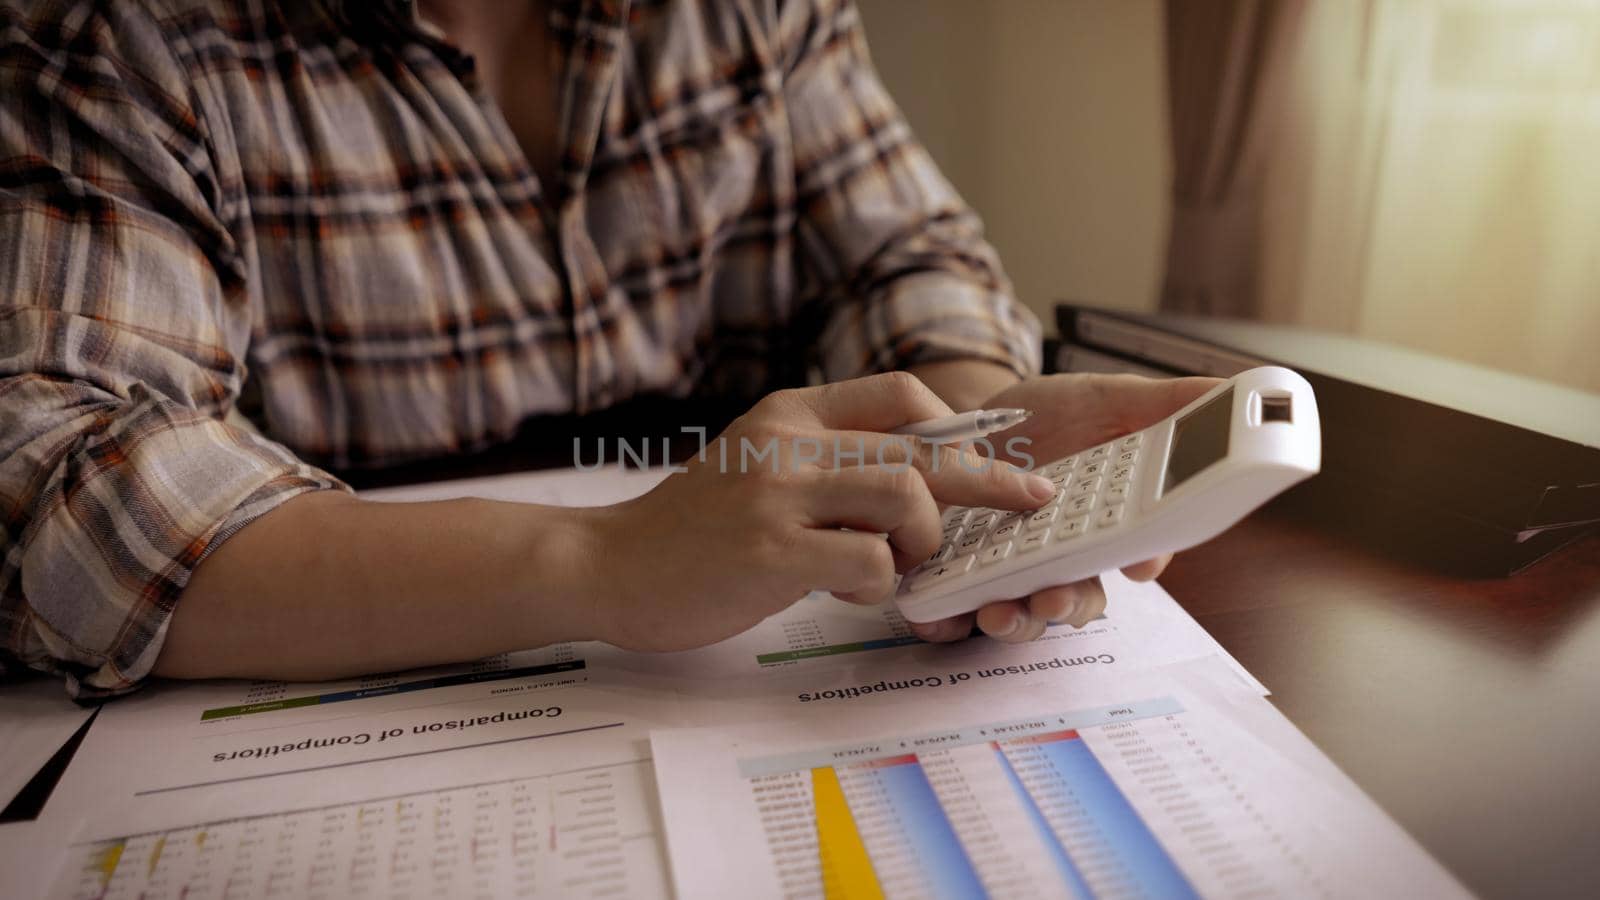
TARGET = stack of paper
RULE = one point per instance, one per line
(825, 749)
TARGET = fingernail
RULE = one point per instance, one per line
(1040, 487)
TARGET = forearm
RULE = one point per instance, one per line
(965, 383)
(329, 586)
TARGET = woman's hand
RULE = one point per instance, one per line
(760, 519)
(1070, 412)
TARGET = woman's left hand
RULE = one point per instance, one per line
(1070, 413)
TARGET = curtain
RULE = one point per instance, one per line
(1220, 54)
(1417, 171)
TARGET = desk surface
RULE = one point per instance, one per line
(1469, 709)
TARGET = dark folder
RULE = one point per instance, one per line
(1465, 468)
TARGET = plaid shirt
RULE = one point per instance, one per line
(319, 195)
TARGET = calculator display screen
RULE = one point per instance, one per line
(1200, 439)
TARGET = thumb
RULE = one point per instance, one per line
(1139, 402)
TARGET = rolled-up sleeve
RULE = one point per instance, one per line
(124, 319)
(908, 277)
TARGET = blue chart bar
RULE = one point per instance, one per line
(1058, 853)
(926, 828)
(1125, 836)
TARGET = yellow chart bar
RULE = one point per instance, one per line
(846, 870)
(106, 862)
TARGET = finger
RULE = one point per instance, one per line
(965, 478)
(944, 631)
(954, 475)
(1070, 604)
(875, 403)
(1148, 570)
(1055, 604)
(1010, 621)
(1092, 608)
(854, 566)
(882, 500)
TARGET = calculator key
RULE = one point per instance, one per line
(1032, 542)
(1060, 479)
(1126, 458)
(1088, 486)
(1080, 504)
(957, 515)
(1121, 474)
(1071, 528)
(1108, 516)
(943, 555)
(1131, 442)
(1042, 519)
(1057, 468)
(1117, 493)
(983, 520)
(1009, 517)
(995, 553)
(943, 572)
(1005, 532)
(952, 531)
(1098, 454)
(970, 543)
(1090, 469)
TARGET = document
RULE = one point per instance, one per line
(822, 640)
(36, 718)
(228, 749)
(164, 767)
(523, 775)
(588, 831)
(1175, 782)
(527, 774)
(31, 859)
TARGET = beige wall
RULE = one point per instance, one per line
(1050, 118)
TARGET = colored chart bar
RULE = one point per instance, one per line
(923, 826)
(767, 659)
(846, 870)
(251, 709)
(1058, 853)
(982, 733)
(1076, 794)
(941, 814)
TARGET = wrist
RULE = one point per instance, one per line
(965, 383)
(561, 582)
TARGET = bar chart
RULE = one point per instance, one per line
(1113, 802)
(583, 833)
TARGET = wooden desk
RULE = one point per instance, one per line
(1469, 709)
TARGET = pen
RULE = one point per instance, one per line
(965, 426)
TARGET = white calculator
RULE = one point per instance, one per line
(1171, 486)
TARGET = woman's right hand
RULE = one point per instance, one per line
(796, 495)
